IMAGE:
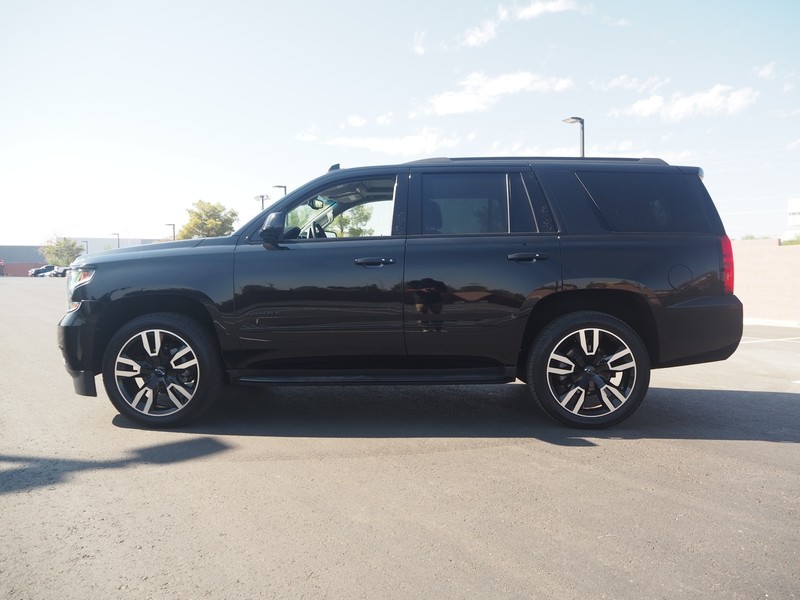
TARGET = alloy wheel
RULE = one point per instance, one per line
(157, 372)
(591, 372)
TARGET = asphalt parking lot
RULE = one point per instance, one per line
(422, 492)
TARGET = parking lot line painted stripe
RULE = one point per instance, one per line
(767, 340)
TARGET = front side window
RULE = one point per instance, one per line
(355, 209)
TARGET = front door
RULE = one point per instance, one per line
(328, 294)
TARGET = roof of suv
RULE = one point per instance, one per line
(445, 161)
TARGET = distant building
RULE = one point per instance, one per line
(18, 259)
(793, 232)
(15, 261)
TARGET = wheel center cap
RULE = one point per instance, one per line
(589, 370)
(159, 372)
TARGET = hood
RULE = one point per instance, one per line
(157, 248)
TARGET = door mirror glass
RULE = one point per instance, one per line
(272, 229)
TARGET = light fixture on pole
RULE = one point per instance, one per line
(283, 187)
(86, 243)
(262, 197)
(577, 120)
(173, 229)
(116, 234)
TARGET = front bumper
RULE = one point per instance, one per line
(76, 334)
(83, 382)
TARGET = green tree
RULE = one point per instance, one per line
(352, 223)
(207, 219)
(61, 252)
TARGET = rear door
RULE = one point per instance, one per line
(482, 250)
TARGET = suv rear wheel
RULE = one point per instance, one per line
(588, 369)
(162, 369)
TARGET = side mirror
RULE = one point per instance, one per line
(272, 229)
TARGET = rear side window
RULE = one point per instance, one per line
(464, 203)
(648, 202)
(480, 203)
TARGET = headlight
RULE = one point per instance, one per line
(76, 277)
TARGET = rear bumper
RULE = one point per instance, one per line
(76, 342)
(702, 330)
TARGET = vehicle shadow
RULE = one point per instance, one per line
(489, 412)
(32, 472)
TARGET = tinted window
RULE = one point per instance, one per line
(579, 213)
(647, 202)
(521, 211)
(544, 222)
(464, 203)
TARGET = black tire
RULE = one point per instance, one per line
(588, 370)
(162, 370)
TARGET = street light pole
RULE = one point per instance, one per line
(577, 120)
(86, 243)
(173, 229)
(261, 197)
(116, 234)
(281, 186)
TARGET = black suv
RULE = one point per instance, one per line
(575, 276)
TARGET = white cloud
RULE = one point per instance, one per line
(766, 72)
(719, 100)
(356, 121)
(425, 143)
(309, 135)
(487, 31)
(478, 36)
(537, 8)
(647, 107)
(793, 145)
(478, 92)
(418, 43)
(651, 84)
(385, 119)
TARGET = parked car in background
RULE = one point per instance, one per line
(40, 271)
(56, 272)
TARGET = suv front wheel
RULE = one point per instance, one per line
(588, 369)
(162, 370)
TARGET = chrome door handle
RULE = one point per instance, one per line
(527, 256)
(374, 262)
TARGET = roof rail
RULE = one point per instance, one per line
(655, 161)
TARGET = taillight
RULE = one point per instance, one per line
(727, 264)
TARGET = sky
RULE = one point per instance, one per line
(116, 116)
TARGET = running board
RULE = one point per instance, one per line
(396, 377)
